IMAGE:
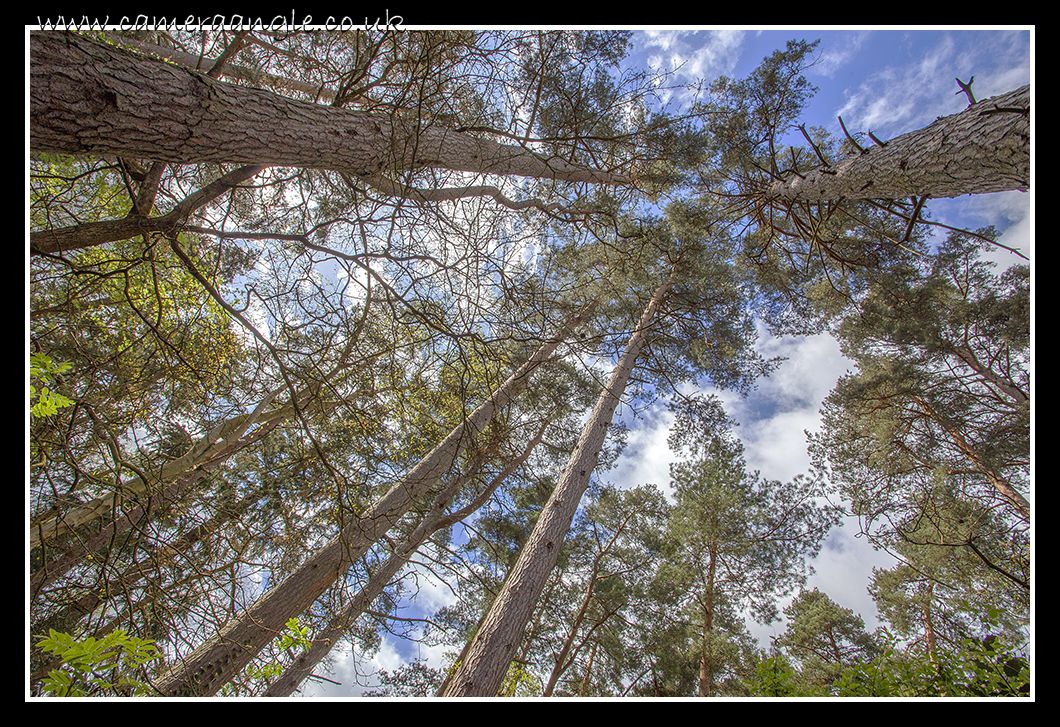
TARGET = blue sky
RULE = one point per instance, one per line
(885, 81)
(888, 82)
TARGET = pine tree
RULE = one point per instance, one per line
(823, 637)
(942, 391)
(700, 294)
(739, 542)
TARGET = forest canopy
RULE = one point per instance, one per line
(335, 336)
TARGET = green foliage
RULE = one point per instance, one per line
(44, 370)
(824, 638)
(295, 635)
(733, 543)
(978, 667)
(97, 668)
(437, 306)
(66, 190)
(942, 388)
(414, 679)
(929, 439)
(989, 669)
(774, 676)
(809, 261)
(520, 682)
(753, 535)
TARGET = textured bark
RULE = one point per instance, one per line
(230, 70)
(490, 652)
(88, 98)
(985, 148)
(433, 521)
(216, 662)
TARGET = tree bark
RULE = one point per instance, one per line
(929, 631)
(216, 662)
(88, 98)
(490, 653)
(230, 70)
(584, 690)
(433, 521)
(706, 662)
(985, 148)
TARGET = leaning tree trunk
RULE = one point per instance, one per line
(89, 98)
(985, 148)
(249, 75)
(324, 642)
(483, 668)
(216, 662)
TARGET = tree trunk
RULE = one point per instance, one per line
(929, 630)
(88, 98)
(584, 690)
(482, 671)
(985, 148)
(433, 521)
(706, 663)
(198, 63)
(217, 661)
(561, 661)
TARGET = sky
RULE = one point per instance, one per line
(888, 82)
(885, 81)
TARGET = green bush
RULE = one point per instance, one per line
(983, 667)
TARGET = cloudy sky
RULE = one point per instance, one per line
(885, 81)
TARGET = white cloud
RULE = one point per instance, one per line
(835, 58)
(777, 446)
(813, 365)
(647, 457)
(664, 39)
(691, 56)
(773, 420)
(1009, 212)
(897, 99)
(900, 98)
(843, 571)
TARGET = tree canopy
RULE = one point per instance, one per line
(320, 319)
